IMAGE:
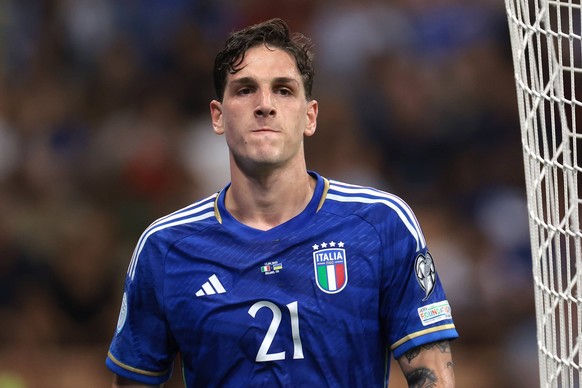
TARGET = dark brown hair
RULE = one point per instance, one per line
(273, 33)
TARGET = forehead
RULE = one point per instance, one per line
(266, 62)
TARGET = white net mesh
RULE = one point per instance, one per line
(547, 46)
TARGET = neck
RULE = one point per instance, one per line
(266, 201)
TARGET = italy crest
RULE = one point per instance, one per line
(330, 266)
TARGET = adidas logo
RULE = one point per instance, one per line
(211, 287)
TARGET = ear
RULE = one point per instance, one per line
(311, 125)
(216, 116)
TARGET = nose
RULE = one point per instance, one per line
(265, 106)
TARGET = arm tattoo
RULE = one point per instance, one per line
(443, 346)
(421, 378)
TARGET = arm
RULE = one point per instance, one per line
(429, 366)
(119, 381)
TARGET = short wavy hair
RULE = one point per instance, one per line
(272, 33)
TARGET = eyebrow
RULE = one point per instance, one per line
(251, 80)
(286, 80)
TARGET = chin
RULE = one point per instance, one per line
(267, 158)
(254, 164)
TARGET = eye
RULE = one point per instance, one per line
(284, 91)
(244, 91)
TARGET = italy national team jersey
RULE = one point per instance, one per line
(321, 300)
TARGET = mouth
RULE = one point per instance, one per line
(264, 130)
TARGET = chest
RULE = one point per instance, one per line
(270, 293)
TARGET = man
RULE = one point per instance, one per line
(284, 278)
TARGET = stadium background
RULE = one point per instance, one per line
(104, 127)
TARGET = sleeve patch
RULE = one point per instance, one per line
(434, 312)
(425, 273)
(122, 314)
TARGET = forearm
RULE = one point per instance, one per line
(429, 366)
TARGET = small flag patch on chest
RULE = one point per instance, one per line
(330, 266)
(272, 267)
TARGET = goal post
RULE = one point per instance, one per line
(546, 45)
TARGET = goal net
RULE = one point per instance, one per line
(547, 56)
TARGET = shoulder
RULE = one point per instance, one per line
(182, 221)
(362, 198)
(380, 208)
(161, 234)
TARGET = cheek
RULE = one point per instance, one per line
(233, 132)
(231, 122)
(301, 120)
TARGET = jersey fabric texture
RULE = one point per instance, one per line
(321, 300)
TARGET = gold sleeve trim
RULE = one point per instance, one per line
(419, 333)
(324, 194)
(136, 370)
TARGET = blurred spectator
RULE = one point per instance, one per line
(348, 33)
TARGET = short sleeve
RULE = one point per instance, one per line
(142, 348)
(414, 309)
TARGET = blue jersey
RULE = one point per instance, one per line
(321, 300)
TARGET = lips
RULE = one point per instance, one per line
(259, 130)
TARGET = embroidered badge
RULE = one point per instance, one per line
(330, 266)
(425, 273)
(272, 267)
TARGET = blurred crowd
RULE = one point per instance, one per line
(104, 127)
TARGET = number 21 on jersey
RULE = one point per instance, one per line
(263, 353)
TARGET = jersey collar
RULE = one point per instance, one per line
(314, 205)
